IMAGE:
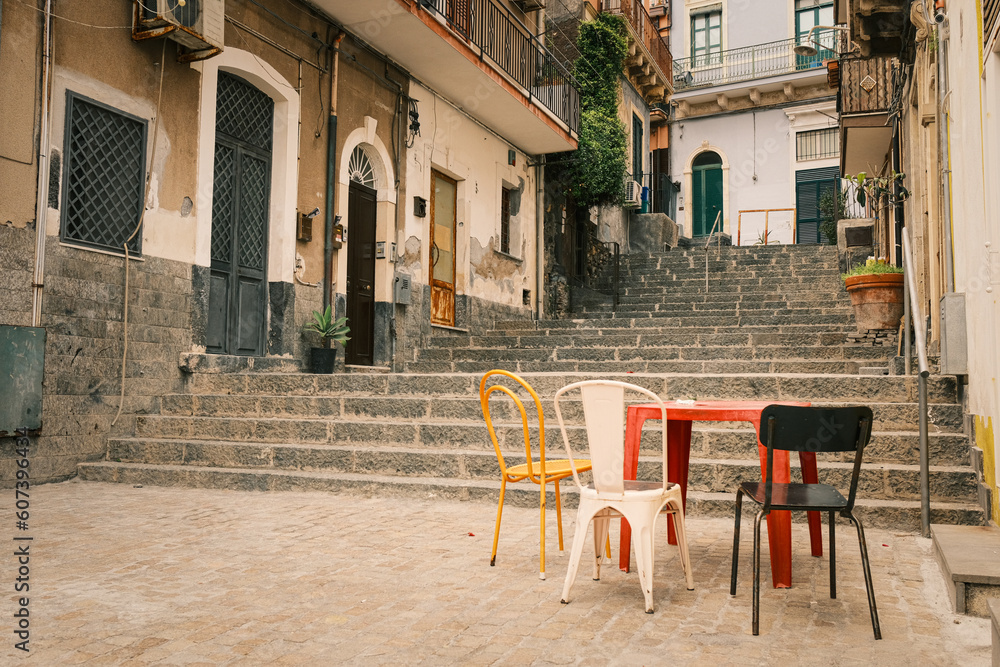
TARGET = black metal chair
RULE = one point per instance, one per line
(815, 429)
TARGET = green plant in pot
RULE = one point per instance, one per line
(876, 290)
(322, 359)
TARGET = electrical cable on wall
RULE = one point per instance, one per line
(138, 226)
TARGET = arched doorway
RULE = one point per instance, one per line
(237, 303)
(361, 216)
(706, 192)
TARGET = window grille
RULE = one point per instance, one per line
(104, 177)
(360, 169)
(817, 144)
(505, 221)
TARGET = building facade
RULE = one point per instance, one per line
(753, 124)
(210, 176)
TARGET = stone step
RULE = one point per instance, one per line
(879, 480)
(968, 559)
(715, 310)
(634, 347)
(890, 514)
(806, 367)
(470, 434)
(648, 325)
(942, 418)
(722, 386)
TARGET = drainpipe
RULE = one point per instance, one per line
(42, 191)
(540, 241)
(943, 92)
(897, 188)
(331, 170)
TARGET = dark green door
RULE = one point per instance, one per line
(808, 15)
(810, 186)
(706, 193)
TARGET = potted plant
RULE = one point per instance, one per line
(322, 359)
(876, 290)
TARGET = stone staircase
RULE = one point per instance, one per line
(774, 325)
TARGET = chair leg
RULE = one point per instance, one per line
(736, 540)
(756, 572)
(833, 556)
(541, 539)
(682, 545)
(602, 524)
(559, 514)
(642, 544)
(496, 531)
(576, 552)
(868, 574)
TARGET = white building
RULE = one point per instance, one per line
(754, 138)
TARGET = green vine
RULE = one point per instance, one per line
(596, 170)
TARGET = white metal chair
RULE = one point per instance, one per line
(639, 502)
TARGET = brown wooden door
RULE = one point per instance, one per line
(442, 250)
(361, 275)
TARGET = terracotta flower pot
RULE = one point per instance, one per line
(877, 300)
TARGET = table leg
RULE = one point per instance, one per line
(678, 459)
(779, 522)
(633, 439)
(807, 461)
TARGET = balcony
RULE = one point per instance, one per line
(864, 102)
(748, 63)
(649, 62)
(478, 55)
(878, 27)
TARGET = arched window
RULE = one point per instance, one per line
(706, 193)
(360, 169)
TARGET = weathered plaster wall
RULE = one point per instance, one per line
(453, 144)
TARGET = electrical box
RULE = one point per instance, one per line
(420, 207)
(339, 236)
(954, 335)
(402, 289)
(305, 230)
(22, 369)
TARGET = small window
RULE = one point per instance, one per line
(505, 221)
(816, 144)
(104, 176)
(706, 38)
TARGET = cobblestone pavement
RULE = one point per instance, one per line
(172, 576)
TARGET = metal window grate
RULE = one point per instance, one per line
(243, 112)
(105, 175)
(816, 144)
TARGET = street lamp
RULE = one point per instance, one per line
(806, 48)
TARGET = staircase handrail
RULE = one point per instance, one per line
(913, 312)
(616, 251)
(715, 224)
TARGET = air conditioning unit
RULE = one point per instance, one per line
(633, 194)
(197, 25)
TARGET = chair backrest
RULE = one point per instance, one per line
(816, 429)
(604, 416)
(534, 471)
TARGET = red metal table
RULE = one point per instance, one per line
(680, 416)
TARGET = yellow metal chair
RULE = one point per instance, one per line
(540, 472)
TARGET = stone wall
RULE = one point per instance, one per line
(82, 312)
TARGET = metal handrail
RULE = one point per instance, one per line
(718, 249)
(512, 47)
(616, 251)
(923, 372)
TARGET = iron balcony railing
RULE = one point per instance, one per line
(638, 17)
(512, 48)
(753, 62)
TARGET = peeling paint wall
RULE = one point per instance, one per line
(984, 439)
(451, 143)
